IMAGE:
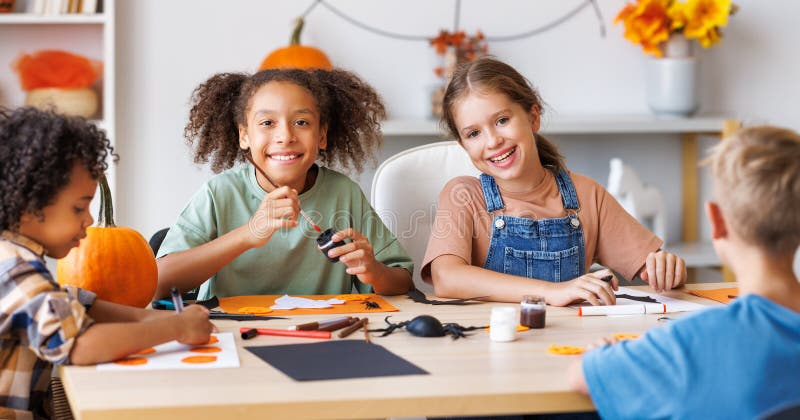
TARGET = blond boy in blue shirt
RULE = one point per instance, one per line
(736, 361)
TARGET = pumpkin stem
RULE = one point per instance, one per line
(105, 217)
(295, 40)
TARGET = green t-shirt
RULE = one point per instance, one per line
(290, 263)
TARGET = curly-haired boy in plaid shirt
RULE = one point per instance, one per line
(49, 166)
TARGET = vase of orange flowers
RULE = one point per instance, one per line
(454, 49)
(667, 30)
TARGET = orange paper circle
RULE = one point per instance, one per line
(565, 350)
(520, 328)
(199, 359)
(623, 337)
(212, 339)
(211, 349)
(254, 310)
(146, 351)
(131, 361)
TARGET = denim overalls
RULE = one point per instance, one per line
(545, 249)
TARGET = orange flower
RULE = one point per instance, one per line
(646, 24)
(704, 18)
(650, 22)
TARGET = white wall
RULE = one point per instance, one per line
(166, 48)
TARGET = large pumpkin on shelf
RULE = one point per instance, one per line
(112, 261)
(296, 55)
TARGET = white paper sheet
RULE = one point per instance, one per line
(633, 307)
(169, 356)
(290, 302)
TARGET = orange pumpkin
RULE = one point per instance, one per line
(296, 55)
(114, 262)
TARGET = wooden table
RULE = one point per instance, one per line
(471, 376)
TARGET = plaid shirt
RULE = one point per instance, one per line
(39, 321)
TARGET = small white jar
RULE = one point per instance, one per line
(503, 324)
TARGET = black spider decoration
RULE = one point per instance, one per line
(369, 305)
(427, 326)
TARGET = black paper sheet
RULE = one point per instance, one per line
(339, 359)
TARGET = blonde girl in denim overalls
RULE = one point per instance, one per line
(494, 112)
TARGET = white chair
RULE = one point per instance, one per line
(405, 190)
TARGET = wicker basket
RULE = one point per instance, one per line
(75, 102)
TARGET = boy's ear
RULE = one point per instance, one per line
(535, 120)
(719, 228)
(323, 139)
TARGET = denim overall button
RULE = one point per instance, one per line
(499, 223)
(575, 222)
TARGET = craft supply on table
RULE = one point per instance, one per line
(724, 295)
(219, 352)
(325, 244)
(353, 328)
(417, 296)
(247, 333)
(339, 325)
(427, 326)
(232, 303)
(503, 324)
(337, 359)
(308, 326)
(532, 311)
(627, 306)
(565, 350)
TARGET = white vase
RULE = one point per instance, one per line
(671, 81)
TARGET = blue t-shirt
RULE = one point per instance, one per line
(738, 361)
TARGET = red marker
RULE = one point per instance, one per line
(248, 333)
(264, 174)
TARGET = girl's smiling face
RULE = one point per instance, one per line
(283, 133)
(498, 135)
(63, 223)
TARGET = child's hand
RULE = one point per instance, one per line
(588, 287)
(605, 341)
(357, 255)
(663, 271)
(194, 326)
(278, 210)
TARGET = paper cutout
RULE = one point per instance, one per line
(724, 295)
(170, 356)
(213, 339)
(199, 359)
(565, 350)
(625, 337)
(209, 349)
(131, 361)
(339, 359)
(417, 296)
(626, 306)
(520, 328)
(254, 310)
(232, 303)
(287, 302)
(353, 297)
(146, 351)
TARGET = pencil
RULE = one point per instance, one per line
(353, 328)
(176, 300)
(308, 326)
(338, 325)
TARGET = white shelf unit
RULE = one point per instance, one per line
(90, 35)
(577, 124)
(696, 254)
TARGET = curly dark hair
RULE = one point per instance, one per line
(38, 150)
(350, 109)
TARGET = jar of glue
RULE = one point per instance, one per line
(503, 324)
